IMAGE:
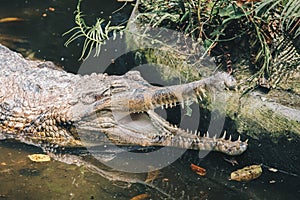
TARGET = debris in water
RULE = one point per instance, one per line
(10, 19)
(232, 161)
(152, 175)
(141, 197)
(198, 170)
(51, 9)
(271, 169)
(39, 157)
(247, 173)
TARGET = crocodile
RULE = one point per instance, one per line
(42, 105)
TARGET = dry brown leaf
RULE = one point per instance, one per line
(141, 197)
(11, 19)
(39, 157)
(247, 173)
(198, 170)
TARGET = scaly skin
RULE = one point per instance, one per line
(40, 105)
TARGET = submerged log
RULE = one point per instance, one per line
(257, 115)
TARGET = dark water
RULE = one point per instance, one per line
(40, 32)
(39, 35)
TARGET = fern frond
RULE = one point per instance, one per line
(94, 36)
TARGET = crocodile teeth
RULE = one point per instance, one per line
(199, 95)
(229, 138)
(207, 134)
(246, 141)
(215, 138)
(203, 92)
(239, 139)
(224, 135)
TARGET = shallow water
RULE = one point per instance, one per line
(41, 37)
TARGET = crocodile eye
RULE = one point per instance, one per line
(97, 97)
(89, 98)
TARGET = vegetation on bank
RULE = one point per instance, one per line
(265, 32)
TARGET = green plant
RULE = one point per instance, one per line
(270, 25)
(94, 36)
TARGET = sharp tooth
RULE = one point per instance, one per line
(239, 139)
(171, 105)
(207, 134)
(166, 105)
(229, 138)
(246, 141)
(162, 107)
(182, 105)
(195, 132)
(224, 135)
(203, 92)
(187, 130)
(215, 138)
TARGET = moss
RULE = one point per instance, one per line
(257, 119)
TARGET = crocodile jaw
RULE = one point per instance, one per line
(126, 116)
(149, 129)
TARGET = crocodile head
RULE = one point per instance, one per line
(40, 105)
(124, 112)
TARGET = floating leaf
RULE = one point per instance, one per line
(39, 157)
(247, 173)
(140, 197)
(10, 19)
(198, 170)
